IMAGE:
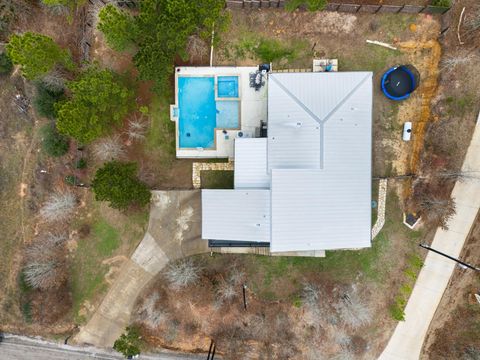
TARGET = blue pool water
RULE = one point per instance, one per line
(200, 114)
(227, 86)
(227, 114)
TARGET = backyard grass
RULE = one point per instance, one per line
(112, 233)
(160, 139)
(108, 238)
(217, 179)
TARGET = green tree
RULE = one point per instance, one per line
(37, 54)
(99, 101)
(129, 342)
(311, 5)
(45, 100)
(5, 64)
(117, 183)
(164, 27)
(53, 143)
(117, 26)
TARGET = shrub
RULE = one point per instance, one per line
(6, 65)
(81, 163)
(129, 342)
(117, 26)
(72, 180)
(117, 183)
(109, 149)
(54, 143)
(269, 50)
(311, 5)
(58, 207)
(99, 102)
(54, 82)
(45, 262)
(182, 273)
(37, 54)
(442, 3)
(44, 101)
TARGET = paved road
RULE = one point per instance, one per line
(14, 347)
(408, 337)
(173, 232)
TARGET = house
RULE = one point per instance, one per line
(306, 187)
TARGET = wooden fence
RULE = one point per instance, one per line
(349, 8)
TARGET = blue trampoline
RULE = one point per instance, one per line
(399, 82)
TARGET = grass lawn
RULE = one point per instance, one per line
(112, 233)
(217, 179)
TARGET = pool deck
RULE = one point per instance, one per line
(253, 110)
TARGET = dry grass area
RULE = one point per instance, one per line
(15, 140)
(454, 109)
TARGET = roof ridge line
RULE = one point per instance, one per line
(297, 100)
(344, 100)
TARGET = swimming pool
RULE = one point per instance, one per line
(199, 113)
(227, 86)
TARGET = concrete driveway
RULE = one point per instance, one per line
(174, 231)
(408, 337)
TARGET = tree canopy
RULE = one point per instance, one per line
(117, 183)
(161, 31)
(37, 54)
(99, 101)
(129, 342)
(164, 27)
(117, 26)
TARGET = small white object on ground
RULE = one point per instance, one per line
(407, 131)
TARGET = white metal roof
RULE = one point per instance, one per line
(319, 150)
(322, 211)
(242, 215)
(299, 106)
(251, 163)
(326, 204)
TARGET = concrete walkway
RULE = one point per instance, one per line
(174, 231)
(408, 337)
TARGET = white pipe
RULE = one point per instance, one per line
(211, 45)
(374, 42)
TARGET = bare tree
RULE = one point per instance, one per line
(182, 273)
(109, 149)
(437, 210)
(230, 288)
(149, 314)
(137, 128)
(310, 295)
(58, 207)
(45, 262)
(352, 311)
(458, 175)
(45, 246)
(449, 63)
(342, 339)
(54, 81)
(196, 48)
